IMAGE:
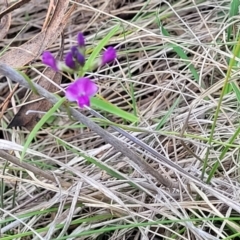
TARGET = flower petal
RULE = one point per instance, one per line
(81, 59)
(80, 40)
(81, 87)
(89, 88)
(74, 51)
(109, 55)
(76, 89)
(72, 92)
(69, 61)
(78, 55)
(83, 101)
(49, 60)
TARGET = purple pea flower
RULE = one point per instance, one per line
(80, 59)
(80, 40)
(74, 51)
(80, 91)
(69, 61)
(108, 56)
(77, 55)
(49, 60)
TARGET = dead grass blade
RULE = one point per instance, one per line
(13, 7)
(110, 196)
(137, 159)
(36, 171)
(31, 49)
(5, 19)
(22, 119)
(5, 103)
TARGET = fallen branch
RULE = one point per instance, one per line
(29, 167)
(117, 144)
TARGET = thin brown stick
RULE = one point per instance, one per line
(117, 144)
(6, 101)
(13, 7)
(5, 156)
(15, 76)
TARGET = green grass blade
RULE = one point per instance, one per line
(224, 151)
(166, 116)
(108, 107)
(134, 102)
(233, 64)
(236, 90)
(232, 12)
(225, 84)
(132, 94)
(29, 82)
(40, 124)
(90, 62)
(99, 164)
(180, 53)
(60, 226)
(135, 18)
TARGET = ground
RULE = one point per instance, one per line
(155, 156)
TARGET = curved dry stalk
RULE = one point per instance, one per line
(31, 168)
(118, 145)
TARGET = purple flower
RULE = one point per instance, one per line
(77, 55)
(80, 59)
(74, 51)
(69, 61)
(81, 90)
(49, 60)
(80, 40)
(108, 56)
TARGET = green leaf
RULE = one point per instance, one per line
(108, 107)
(166, 116)
(236, 89)
(90, 62)
(232, 64)
(232, 12)
(39, 125)
(182, 55)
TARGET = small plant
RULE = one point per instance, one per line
(82, 89)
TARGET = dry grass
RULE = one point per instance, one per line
(99, 193)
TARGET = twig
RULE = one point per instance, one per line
(117, 144)
(13, 7)
(6, 101)
(15, 76)
(31, 168)
(144, 146)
